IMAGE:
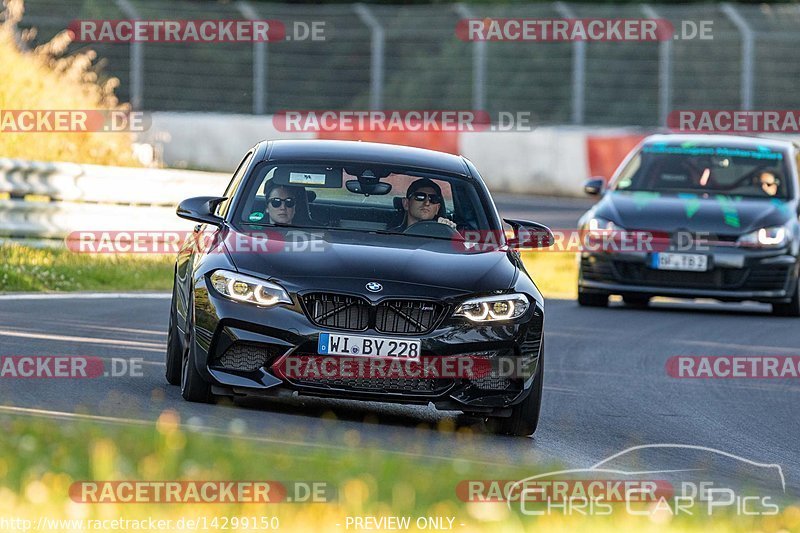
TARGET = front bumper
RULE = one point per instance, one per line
(238, 345)
(733, 275)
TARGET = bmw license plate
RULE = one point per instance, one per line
(335, 344)
(685, 262)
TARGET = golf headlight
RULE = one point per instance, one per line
(494, 308)
(772, 237)
(248, 289)
(600, 224)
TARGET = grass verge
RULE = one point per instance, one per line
(25, 268)
(40, 461)
(32, 269)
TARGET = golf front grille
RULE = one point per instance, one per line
(247, 357)
(341, 311)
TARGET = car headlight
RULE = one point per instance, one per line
(242, 288)
(494, 308)
(772, 237)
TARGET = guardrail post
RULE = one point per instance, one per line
(136, 58)
(664, 71)
(578, 69)
(260, 66)
(478, 63)
(376, 58)
(748, 46)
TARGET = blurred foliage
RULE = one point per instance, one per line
(45, 78)
(40, 460)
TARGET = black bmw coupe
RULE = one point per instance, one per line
(724, 210)
(341, 269)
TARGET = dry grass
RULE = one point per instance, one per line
(44, 78)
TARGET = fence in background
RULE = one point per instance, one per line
(408, 57)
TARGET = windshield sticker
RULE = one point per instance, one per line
(691, 203)
(306, 178)
(729, 210)
(690, 149)
(255, 216)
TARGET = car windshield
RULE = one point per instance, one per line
(359, 197)
(753, 172)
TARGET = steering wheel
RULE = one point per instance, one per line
(431, 228)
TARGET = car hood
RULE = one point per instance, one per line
(344, 261)
(718, 214)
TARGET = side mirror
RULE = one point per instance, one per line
(530, 235)
(594, 186)
(201, 209)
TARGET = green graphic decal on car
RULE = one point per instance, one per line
(783, 207)
(691, 203)
(729, 210)
(255, 216)
(642, 198)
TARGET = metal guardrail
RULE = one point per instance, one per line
(53, 200)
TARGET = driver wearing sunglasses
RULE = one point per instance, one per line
(423, 201)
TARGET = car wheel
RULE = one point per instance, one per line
(636, 300)
(789, 309)
(193, 387)
(174, 351)
(592, 299)
(524, 416)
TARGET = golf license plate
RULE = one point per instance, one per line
(336, 344)
(685, 262)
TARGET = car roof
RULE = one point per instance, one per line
(363, 152)
(735, 141)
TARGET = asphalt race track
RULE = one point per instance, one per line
(606, 387)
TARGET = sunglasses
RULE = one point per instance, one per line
(421, 196)
(277, 202)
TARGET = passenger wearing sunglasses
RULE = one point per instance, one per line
(423, 201)
(281, 203)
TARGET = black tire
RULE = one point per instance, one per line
(636, 300)
(193, 387)
(792, 308)
(174, 349)
(592, 299)
(524, 417)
